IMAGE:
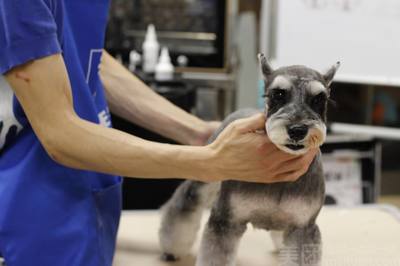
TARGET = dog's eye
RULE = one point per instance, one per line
(318, 101)
(279, 95)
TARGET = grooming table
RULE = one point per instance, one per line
(365, 235)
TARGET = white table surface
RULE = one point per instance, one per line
(367, 236)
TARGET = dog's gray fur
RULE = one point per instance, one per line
(289, 209)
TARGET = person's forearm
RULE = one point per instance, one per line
(43, 89)
(131, 99)
(120, 153)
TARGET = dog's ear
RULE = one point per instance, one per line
(265, 66)
(330, 74)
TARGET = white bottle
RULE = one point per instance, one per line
(150, 50)
(164, 68)
(134, 60)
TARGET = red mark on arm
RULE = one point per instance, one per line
(23, 76)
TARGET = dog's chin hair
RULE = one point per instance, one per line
(277, 133)
(290, 151)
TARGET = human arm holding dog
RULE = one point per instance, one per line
(42, 87)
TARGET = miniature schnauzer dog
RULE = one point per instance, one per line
(296, 105)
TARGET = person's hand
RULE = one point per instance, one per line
(205, 133)
(242, 152)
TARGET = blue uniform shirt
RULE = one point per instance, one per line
(51, 214)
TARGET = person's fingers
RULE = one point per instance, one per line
(309, 156)
(308, 159)
(300, 166)
(296, 162)
(251, 124)
(303, 158)
(290, 176)
(280, 157)
(284, 177)
(291, 165)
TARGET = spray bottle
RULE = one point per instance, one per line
(151, 48)
(164, 68)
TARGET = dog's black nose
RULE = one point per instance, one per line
(297, 132)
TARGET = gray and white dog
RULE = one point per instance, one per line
(296, 105)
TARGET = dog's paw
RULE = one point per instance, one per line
(168, 257)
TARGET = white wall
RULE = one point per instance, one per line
(363, 34)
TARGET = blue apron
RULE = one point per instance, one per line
(51, 214)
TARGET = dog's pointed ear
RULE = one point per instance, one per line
(265, 66)
(330, 74)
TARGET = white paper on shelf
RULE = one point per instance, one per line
(343, 179)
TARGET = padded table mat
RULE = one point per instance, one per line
(366, 236)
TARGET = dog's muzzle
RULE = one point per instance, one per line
(296, 138)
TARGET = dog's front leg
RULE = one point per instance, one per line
(302, 247)
(220, 241)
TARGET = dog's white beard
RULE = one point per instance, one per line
(276, 130)
(277, 133)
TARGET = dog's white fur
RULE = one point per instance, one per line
(281, 82)
(316, 87)
(295, 208)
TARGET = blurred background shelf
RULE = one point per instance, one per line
(221, 40)
(390, 199)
